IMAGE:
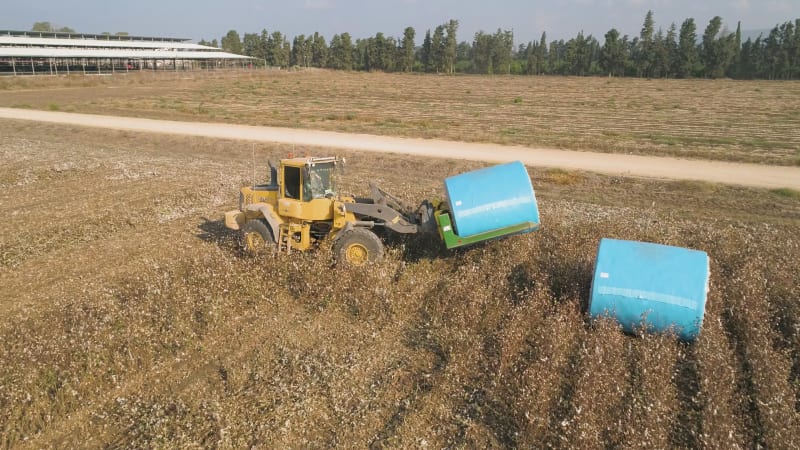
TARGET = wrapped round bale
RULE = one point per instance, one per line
(492, 198)
(654, 287)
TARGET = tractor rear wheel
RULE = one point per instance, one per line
(357, 247)
(256, 237)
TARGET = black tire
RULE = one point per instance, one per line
(256, 238)
(358, 247)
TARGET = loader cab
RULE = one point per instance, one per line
(307, 179)
(307, 188)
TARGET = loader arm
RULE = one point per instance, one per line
(381, 197)
(383, 215)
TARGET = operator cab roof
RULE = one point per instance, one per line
(309, 161)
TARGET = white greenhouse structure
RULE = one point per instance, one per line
(53, 53)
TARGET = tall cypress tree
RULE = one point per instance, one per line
(687, 49)
(672, 50)
(426, 52)
(450, 46)
(437, 49)
(710, 54)
(718, 49)
(645, 56)
(542, 54)
(660, 62)
(407, 49)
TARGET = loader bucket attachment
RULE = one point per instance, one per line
(452, 240)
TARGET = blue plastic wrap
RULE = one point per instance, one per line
(650, 286)
(491, 198)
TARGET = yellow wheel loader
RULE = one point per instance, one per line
(300, 208)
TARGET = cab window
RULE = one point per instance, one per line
(318, 182)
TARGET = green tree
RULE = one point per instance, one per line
(232, 43)
(749, 62)
(426, 53)
(503, 46)
(285, 54)
(407, 50)
(788, 51)
(46, 27)
(341, 52)
(645, 55)
(277, 49)
(736, 66)
(301, 51)
(381, 53)
(672, 50)
(493, 53)
(377, 46)
(264, 45)
(795, 54)
(464, 58)
(531, 57)
(542, 54)
(660, 56)
(555, 57)
(251, 46)
(710, 54)
(718, 49)
(780, 53)
(361, 54)
(450, 44)
(482, 53)
(347, 44)
(687, 49)
(437, 49)
(773, 54)
(613, 55)
(578, 56)
(319, 51)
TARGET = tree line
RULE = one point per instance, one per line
(47, 27)
(677, 53)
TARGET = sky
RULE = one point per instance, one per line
(209, 19)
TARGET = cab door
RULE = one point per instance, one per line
(291, 185)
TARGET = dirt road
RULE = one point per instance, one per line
(614, 164)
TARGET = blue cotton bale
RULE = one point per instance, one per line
(491, 198)
(658, 288)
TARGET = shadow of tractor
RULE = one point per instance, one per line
(215, 232)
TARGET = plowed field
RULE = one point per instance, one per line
(129, 318)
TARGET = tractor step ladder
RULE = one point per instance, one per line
(287, 231)
(283, 239)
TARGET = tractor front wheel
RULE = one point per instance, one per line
(357, 247)
(256, 237)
